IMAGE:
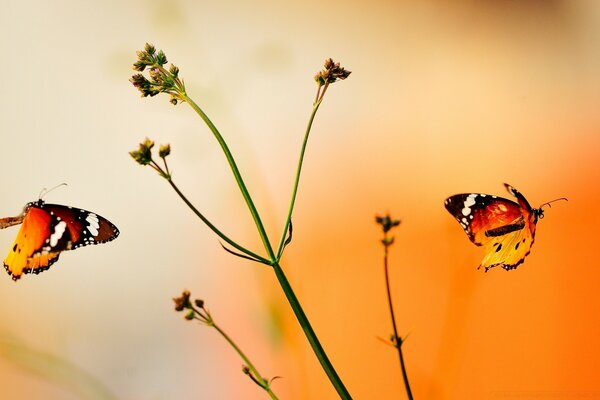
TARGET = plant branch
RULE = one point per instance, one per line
(397, 340)
(297, 180)
(387, 224)
(236, 173)
(256, 257)
(310, 333)
(168, 81)
(255, 375)
(197, 311)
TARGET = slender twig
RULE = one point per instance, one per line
(310, 334)
(197, 311)
(254, 374)
(387, 223)
(397, 339)
(287, 289)
(297, 180)
(236, 173)
(10, 221)
(214, 228)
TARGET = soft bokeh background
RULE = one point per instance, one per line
(445, 97)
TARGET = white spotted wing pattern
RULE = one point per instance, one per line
(505, 229)
(49, 229)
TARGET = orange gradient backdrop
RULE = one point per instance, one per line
(444, 98)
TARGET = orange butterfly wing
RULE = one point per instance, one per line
(508, 251)
(30, 239)
(505, 229)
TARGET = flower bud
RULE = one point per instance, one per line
(182, 302)
(164, 150)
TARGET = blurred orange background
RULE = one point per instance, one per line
(444, 98)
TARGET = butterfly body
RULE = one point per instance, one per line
(49, 229)
(505, 229)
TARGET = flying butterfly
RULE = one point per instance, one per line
(505, 229)
(49, 229)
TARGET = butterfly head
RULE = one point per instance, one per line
(38, 203)
(539, 212)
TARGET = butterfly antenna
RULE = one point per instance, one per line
(549, 204)
(46, 191)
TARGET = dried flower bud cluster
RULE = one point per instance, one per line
(331, 73)
(387, 223)
(143, 155)
(149, 57)
(193, 310)
(183, 302)
(161, 80)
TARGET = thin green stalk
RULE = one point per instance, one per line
(310, 334)
(196, 310)
(262, 382)
(236, 173)
(397, 339)
(287, 289)
(214, 228)
(297, 180)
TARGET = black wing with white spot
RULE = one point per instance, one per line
(82, 227)
(483, 216)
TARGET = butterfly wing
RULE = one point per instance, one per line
(85, 227)
(49, 229)
(482, 216)
(507, 251)
(504, 228)
(35, 230)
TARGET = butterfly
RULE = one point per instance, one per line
(49, 229)
(505, 229)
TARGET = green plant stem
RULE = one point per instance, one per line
(214, 228)
(397, 340)
(310, 334)
(236, 174)
(285, 285)
(261, 381)
(297, 180)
